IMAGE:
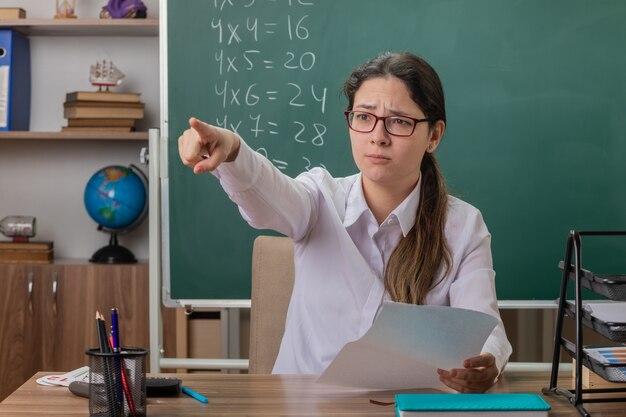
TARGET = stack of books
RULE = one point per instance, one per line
(102, 111)
(12, 13)
(26, 252)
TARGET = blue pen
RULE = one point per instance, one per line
(195, 395)
(115, 330)
(115, 341)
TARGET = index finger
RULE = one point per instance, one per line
(480, 360)
(203, 129)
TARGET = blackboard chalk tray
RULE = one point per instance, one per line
(611, 330)
(612, 372)
(609, 285)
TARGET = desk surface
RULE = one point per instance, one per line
(270, 395)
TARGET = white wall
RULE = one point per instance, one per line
(86, 9)
(46, 179)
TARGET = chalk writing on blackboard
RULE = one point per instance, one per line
(250, 105)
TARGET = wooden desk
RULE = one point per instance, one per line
(268, 395)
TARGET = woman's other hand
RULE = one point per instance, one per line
(477, 375)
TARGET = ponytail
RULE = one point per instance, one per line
(416, 261)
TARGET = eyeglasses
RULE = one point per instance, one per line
(364, 122)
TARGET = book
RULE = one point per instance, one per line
(106, 96)
(101, 104)
(26, 245)
(471, 405)
(27, 256)
(12, 13)
(100, 122)
(78, 112)
(97, 128)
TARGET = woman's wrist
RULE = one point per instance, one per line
(234, 149)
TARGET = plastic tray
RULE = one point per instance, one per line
(610, 286)
(610, 330)
(611, 372)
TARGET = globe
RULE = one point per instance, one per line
(116, 199)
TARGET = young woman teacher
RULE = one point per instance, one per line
(390, 232)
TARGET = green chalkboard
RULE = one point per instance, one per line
(536, 138)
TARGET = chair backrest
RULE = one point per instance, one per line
(272, 284)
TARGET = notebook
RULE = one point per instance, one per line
(471, 405)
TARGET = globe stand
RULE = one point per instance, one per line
(113, 253)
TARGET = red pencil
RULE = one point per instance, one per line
(129, 396)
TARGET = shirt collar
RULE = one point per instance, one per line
(406, 212)
(355, 205)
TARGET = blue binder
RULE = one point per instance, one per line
(14, 81)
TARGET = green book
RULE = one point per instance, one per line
(470, 405)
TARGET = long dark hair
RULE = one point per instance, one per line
(416, 261)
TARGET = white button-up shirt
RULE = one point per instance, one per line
(341, 253)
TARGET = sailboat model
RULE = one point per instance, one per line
(105, 75)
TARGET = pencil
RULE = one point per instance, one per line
(102, 333)
(106, 365)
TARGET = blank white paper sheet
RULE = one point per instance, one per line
(406, 344)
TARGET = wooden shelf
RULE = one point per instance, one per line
(83, 27)
(113, 136)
